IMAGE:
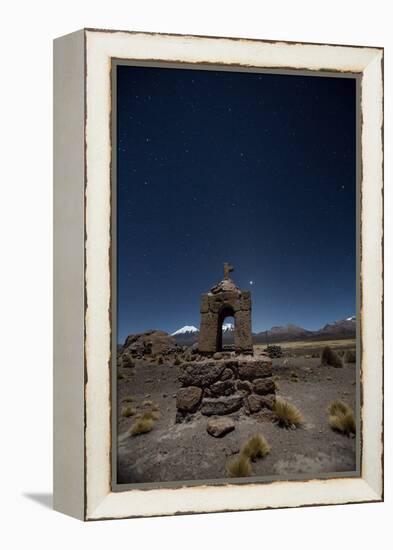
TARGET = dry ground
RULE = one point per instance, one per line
(181, 452)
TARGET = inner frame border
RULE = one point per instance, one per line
(207, 66)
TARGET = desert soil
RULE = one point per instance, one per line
(185, 451)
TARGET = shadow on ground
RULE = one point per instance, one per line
(45, 499)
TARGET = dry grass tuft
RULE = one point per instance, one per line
(342, 418)
(142, 426)
(329, 357)
(240, 467)
(150, 415)
(177, 361)
(338, 407)
(147, 403)
(127, 411)
(350, 356)
(287, 415)
(256, 447)
(344, 423)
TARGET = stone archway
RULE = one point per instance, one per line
(223, 300)
(226, 311)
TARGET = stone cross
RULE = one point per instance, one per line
(227, 270)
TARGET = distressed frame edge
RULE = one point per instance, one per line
(374, 487)
(68, 274)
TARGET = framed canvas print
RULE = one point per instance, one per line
(218, 274)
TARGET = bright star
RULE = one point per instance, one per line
(251, 282)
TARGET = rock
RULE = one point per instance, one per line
(350, 356)
(218, 427)
(258, 368)
(264, 386)
(221, 405)
(217, 356)
(152, 342)
(273, 351)
(127, 361)
(244, 385)
(200, 374)
(227, 374)
(330, 357)
(188, 399)
(225, 387)
(257, 402)
(265, 415)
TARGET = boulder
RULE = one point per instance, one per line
(225, 387)
(350, 356)
(188, 399)
(227, 374)
(274, 351)
(330, 357)
(244, 385)
(200, 374)
(258, 368)
(263, 386)
(218, 427)
(221, 405)
(257, 402)
(152, 342)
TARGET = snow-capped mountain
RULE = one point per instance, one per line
(351, 318)
(188, 335)
(190, 329)
(187, 329)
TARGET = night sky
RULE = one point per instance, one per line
(255, 169)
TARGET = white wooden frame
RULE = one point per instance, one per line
(82, 335)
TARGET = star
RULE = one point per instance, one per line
(251, 283)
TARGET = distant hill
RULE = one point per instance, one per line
(340, 329)
(282, 333)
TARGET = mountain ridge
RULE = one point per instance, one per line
(345, 328)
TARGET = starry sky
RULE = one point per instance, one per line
(255, 169)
